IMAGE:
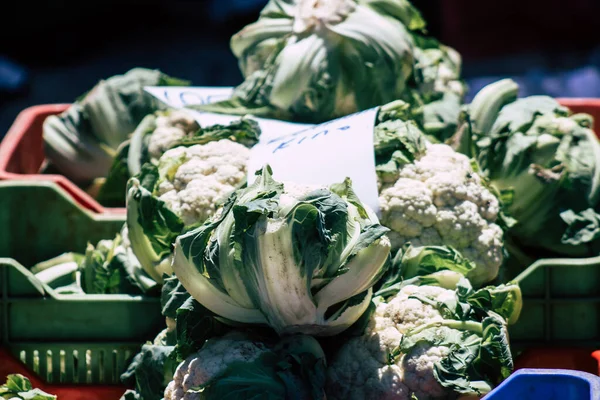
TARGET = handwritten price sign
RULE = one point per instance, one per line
(324, 154)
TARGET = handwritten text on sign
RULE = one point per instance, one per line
(180, 97)
(324, 154)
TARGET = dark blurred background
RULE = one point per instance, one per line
(53, 51)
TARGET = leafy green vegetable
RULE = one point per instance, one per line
(110, 267)
(479, 354)
(582, 228)
(172, 296)
(151, 370)
(245, 131)
(152, 225)
(60, 273)
(241, 380)
(82, 142)
(18, 387)
(195, 325)
(429, 265)
(543, 162)
(396, 143)
(112, 191)
(316, 61)
(138, 154)
(429, 259)
(299, 261)
(441, 117)
(435, 86)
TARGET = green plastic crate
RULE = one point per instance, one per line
(65, 338)
(561, 304)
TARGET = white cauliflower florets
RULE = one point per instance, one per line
(201, 177)
(439, 200)
(210, 361)
(361, 369)
(170, 129)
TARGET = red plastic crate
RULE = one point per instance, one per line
(583, 105)
(22, 155)
(580, 359)
(596, 355)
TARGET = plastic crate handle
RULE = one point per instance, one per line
(558, 262)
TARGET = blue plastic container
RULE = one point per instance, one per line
(547, 384)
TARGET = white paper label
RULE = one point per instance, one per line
(180, 97)
(324, 154)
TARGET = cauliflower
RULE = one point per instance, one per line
(252, 369)
(158, 133)
(361, 369)
(186, 187)
(418, 341)
(439, 200)
(170, 129)
(200, 177)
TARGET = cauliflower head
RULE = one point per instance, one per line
(419, 340)
(186, 187)
(170, 128)
(199, 178)
(439, 200)
(361, 369)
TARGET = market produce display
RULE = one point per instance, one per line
(273, 289)
(274, 260)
